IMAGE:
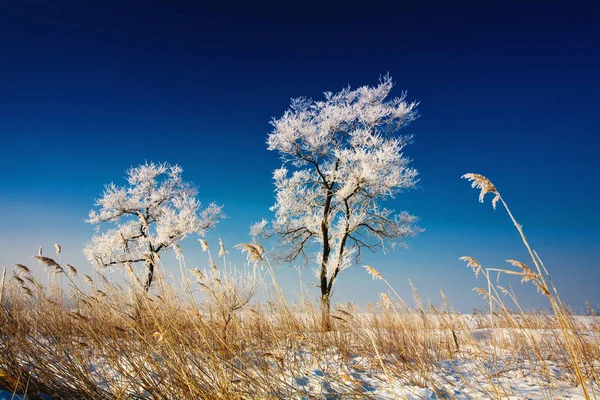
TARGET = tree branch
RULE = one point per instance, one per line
(123, 262)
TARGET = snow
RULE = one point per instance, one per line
(489, 366)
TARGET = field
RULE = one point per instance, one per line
(82, 337)
(205, 336)
(323, 242)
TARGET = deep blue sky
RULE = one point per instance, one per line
(510, 91)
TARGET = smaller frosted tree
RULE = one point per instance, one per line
(342, 158)
(152, 214)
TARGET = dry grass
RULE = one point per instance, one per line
(206, 337)
(99, 340)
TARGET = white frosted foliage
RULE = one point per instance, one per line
(153, 212)
(342, 157)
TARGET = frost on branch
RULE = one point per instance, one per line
(342, 156)
(154, 212)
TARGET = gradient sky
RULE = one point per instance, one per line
(509, 90)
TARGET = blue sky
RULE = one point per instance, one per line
(508, 90)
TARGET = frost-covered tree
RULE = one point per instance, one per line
(152, 214)
(344, 157)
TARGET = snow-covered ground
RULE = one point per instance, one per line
(515, 379)
(489, 364)
(502, 376)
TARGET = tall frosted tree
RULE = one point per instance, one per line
(155, 211)
(341, 157)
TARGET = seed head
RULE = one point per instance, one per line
(178, 252)
(222, 251)
(483, 183)
(482, 292)
(47, 261)
(23, 268)
(373, 272)
(385, 300)
(204, 244)
(254, 252)
(473, 263)
(197, 273)
(72, 269)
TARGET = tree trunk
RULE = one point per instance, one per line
(149, 276)
(325, 312)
